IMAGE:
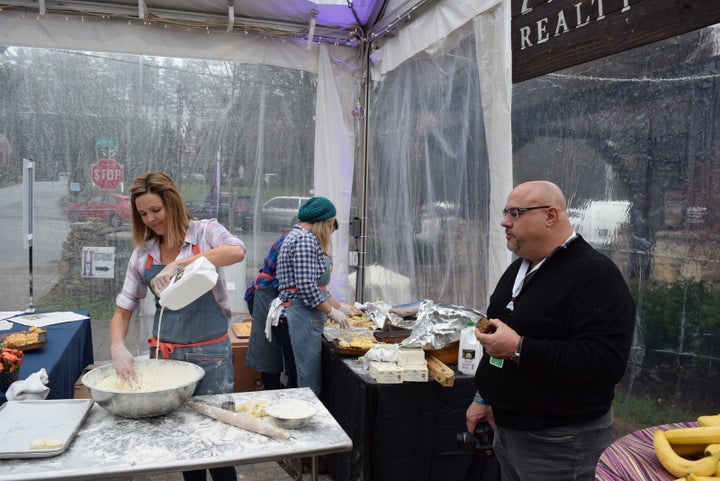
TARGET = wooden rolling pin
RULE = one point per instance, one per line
(240, 420)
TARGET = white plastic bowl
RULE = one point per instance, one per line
(291, 413)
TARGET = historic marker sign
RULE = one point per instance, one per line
(107, 174)
(98, 262)
(549, 35)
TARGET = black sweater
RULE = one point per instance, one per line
(577, 318)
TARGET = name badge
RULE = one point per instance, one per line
(496, 362)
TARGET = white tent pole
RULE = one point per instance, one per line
(142, 9)
(231, 15)
(363, 173)
(28, 221)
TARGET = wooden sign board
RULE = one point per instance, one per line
(549, 35)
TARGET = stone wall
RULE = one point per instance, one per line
(686, 256)
(93, 233)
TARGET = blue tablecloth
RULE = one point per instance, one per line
(68, 349)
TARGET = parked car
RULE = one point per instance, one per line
(281, 212)
(242, 212)
(204, 206)
(114, 209)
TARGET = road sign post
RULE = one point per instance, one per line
(107, 174)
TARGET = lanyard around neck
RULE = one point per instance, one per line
(523, 275)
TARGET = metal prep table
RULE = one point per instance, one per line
(107, 446)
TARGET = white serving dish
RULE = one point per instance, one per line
(290, 413)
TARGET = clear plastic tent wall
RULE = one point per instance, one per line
(260, 117)
(633, 140)
(429, 186)
(439, 164)
(211, 125)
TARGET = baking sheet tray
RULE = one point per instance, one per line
(242, 328)
(22, 422)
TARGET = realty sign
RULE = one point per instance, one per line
(549, 35)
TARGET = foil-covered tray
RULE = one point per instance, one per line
(27, 423)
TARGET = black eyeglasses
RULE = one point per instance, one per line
(516, 212)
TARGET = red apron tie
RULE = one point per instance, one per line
(167, 347)
(287, 303)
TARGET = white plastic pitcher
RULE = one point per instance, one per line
(189, 283)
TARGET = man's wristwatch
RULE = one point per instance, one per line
(516, 355)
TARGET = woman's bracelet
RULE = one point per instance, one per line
(478, 398)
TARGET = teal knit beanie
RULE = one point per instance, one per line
(316, 209)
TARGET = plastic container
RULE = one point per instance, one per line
(189, 283)
(470, 350)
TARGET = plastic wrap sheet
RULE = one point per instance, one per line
(429, 188)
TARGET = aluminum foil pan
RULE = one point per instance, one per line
(438, 325)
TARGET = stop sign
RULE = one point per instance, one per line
(107, 174)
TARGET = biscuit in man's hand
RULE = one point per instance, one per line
(484, 325)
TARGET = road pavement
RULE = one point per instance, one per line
(50, 231)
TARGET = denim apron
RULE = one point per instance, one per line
(198, 322)
(305, 327)
(263, 355)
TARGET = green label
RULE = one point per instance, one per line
(497, 362)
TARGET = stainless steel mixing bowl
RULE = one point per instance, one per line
(144, 403)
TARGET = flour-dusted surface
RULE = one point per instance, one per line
(107, 445)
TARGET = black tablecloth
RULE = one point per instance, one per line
(399, 431)
(68, 349)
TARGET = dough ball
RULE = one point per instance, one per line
(38, 443)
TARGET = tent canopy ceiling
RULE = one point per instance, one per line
(335, 21)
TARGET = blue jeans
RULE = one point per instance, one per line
(565, 453)
(305, 330)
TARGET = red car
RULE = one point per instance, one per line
(114, 209)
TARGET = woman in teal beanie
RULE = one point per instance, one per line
(303, 272)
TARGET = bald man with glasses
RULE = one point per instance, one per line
(563, 321)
